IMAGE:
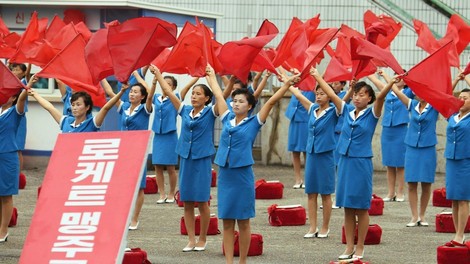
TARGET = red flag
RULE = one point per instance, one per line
(97, 56)
(8, 44)
(9, 84)
(335, 71)
(364, 49)
(386, 26)
(263, 61)
(69, 65)
(459, 32)
(56, 25)
(3, 28)
(431, 80)
(313, 51)
(160, 60)
(295, 41)
(149, 36)
(238, 56)
(83, 29)
(467, 69)
(188, 55)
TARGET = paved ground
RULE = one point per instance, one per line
(159, 230)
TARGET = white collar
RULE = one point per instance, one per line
(233, 120)
(322, 113)
(353, 115)
(426, 108)
(457, 119)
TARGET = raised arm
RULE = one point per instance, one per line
(457, 80)
(62, 87)
(349, 93)
(259, 88)
(338, 102)
(403, 98)
(56, 114)
(302, 99)
(256, 80)
(220, 104)
(99, 118)
(188, 86)
(379, 84)
(166, 88)
(380, 99)
(288, 81)
(141, 81)
(228, 89)
(24, 94)
(148, 102)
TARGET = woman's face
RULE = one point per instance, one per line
(361, 98)
(170, 83)
(135, 95)
(321, 98)
(465, 96)
(240, 105)
(198, 98)
(79, 109)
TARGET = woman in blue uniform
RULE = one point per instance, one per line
(457, 156)
(195, 148)
(320, 166)
(165, 138)
(10, 118)
(297, 135)
(235, 190)
(394, 125)
(134, 115)
(81, 119)
(355, 170)
(420, 140)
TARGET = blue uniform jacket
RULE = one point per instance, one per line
(458, 138)
(395, 113)
(164, 120)
(295, 112)
(321, 131)
(422, 128)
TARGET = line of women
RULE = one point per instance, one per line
(236, 179)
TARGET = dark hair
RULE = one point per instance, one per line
(343, 82)
(250, 77)
(465, 90)
(143, 91)
(368, 88)
(237, 81)
(319, 87)
(248, 95)
(20, 65)
(86, 99)
(207, 92)
(173, 80)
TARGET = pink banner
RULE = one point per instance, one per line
(84, 209)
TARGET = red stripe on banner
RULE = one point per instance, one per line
(89, 189)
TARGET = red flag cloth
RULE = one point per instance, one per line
(312, 52)
(295, 41)
(263, 61)
(364, 49)
(160, 60)
(83, 29)
(188, 55)
(238, 56)
(97, 56)
(69, 65)
(389, 27)
(8, 44)
(56, 25)
(9, 84)
(431, 80)
(335, 71)
(149, 36)
(467, 69)
(3, 28)
(460, 32)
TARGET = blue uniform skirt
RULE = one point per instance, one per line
(297, 137)
(354, 187)
(163, 151)
(320, 173)
(9, 173)
(335, 151)
(420, 164)
(458, 179)
(195, 179)
(143, 181)
(393, 145)
(21, 133)
(236, 193)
